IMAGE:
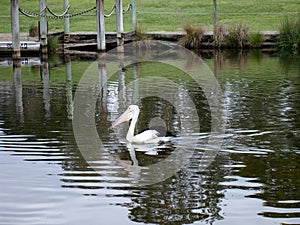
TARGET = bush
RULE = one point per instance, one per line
(219, 35)
(289, 37)
(140, 35)
(193, 37)
(33, 30)
(237, 36)
(255, 40)
(53, 44)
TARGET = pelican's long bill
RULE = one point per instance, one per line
(126, 116)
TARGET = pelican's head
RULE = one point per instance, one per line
(131, 112)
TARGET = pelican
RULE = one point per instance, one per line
(153, 135)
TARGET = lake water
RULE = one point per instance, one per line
(47, 178)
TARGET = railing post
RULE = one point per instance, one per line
(102, 74)
(66, 21)
(43, 26)
(69, 94)
(14, 10)
(18, 93)
(215, 16)
(133, 15)
(46, 85)
(119, 22)
(101, 46)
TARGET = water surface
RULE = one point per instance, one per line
(254, 178)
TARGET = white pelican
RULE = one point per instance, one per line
(153, 135)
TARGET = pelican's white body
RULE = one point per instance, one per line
(148, 136)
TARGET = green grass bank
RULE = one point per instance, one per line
(161, 15)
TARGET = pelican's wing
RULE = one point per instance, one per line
(147, 135)
(163, 132)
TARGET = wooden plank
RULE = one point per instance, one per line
(29, 61)
(24, 46)
(7, 46)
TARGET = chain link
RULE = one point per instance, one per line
(65, 13)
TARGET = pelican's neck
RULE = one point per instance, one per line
(130, 133)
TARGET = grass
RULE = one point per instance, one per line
(140, 34)
(219, 35)
(53, 44)
(33, 31)
(255, 40)
(193, 37)
(289, 39)
(237, 36)
(161, 15)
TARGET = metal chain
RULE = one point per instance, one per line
(32, 14)
(129, 7)
(111, 11)
(29, 13)
(65, 13)
(125, 11)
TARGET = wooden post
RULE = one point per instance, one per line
(121, 81)
(43, 26)
(215, 15)
(135, 95)
(133, 15)
(18, 93)
(46, 82)
(119, 21)
(69, 94)
(14, 10)
(66, 21)
(102, 74)
(101, 46)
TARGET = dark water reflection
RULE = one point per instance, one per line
(255, 178)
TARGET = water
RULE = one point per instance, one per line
(47, 179)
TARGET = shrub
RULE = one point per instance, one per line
(289, 37)
(33, 30)
(140, 35)
(53, 44)
(219, 35)
(237, 36)
(255, 40)
(193, 37)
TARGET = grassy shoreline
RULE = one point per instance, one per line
(161, 15)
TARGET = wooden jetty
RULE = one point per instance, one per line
(269, 38)
(26, 61)
(7, 46)
(87, 42)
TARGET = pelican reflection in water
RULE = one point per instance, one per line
(154, 134)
